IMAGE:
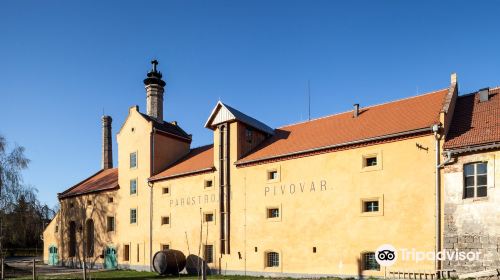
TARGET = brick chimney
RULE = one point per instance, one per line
(154, 93)
(107, 144)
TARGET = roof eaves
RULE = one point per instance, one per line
(182, 174)
(88, 192)
(473, 148)
(79, 183)
(382, 137)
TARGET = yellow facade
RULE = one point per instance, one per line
(321, 228)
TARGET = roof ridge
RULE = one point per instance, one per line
(371, 106)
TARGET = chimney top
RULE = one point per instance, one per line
(484, 94)
(154, 76)
(355, 112)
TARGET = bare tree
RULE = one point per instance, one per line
(11, 164)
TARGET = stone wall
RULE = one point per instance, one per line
(472, 224)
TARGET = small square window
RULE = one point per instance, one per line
(370, 206)
(71, 205)
(133, 216)
(110, 199)
(272, 259)
(209, 217)
(89, 202)
(165, 220)
(165, 247)
(133, 160)
(165, 190)
(209, 183)
(133, 186)
(110, 223)
(57, 229)
(273, 213)
(371, 161)
(369, 261)
(272, 175)
(314, 250)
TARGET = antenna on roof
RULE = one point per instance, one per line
(309, 98)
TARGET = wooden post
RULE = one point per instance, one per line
(2, 276)
(34, 270)
(204, 270)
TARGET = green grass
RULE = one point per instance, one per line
(141, 275)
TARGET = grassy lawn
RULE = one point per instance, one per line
(138, 275)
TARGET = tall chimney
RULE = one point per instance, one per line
(107, 151)
(154, 93)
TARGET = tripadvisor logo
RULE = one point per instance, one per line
(387, 255)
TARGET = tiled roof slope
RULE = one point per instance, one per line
(168, 128)
(198, 160)
(106, 179)
(475, 123)
(404, 115)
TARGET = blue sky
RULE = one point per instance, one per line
(63, 62)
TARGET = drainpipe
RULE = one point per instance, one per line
(435, 129)
(150, 184)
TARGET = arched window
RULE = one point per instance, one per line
(89, 226)
(72, 239)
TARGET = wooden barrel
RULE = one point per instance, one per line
(169, 262)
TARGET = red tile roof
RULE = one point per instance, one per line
(198, 160)
(475, 123)
(410, 114)
(103, 180)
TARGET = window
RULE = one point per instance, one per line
(272, 259)
(165, 190)
(209, 217)
(126, 253)
(475, 179)
(273, 213)
(165, 247)
(71, 205)
(165, 220)
(133, 160)
(209, 253)
(370, 206)
(369, 261)
(110, 199)
(133, 216)
(314, 250)
(371, 161)
(89, 202)
(57, 229)
(249, 135)
(272, 175)
(110, 223)
(209, 183)
(133, 186)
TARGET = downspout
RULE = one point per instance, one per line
(150, 184)
(436, 129)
